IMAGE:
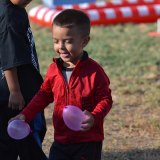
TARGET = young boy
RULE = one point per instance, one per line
(73, 79)
(19, 80)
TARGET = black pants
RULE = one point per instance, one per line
(10, 149)
(80, 151)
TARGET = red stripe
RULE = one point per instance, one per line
(110, 4)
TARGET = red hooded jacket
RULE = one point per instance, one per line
(88, 89)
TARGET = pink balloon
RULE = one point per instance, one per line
(18, 129)
(73, 117)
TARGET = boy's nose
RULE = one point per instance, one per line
(61, 45)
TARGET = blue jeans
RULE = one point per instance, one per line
(38, 127)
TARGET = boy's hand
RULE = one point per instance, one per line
(18, 117)
(88, 122)
(16, 100)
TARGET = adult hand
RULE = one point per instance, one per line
(16, 100)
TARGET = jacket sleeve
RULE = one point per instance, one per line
(102, 96)
(40, 100)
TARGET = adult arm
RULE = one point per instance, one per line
(16, 100)
(41, 100)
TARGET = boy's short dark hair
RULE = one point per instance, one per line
(73, 18)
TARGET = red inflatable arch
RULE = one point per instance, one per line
(108, 4)
(135, 14)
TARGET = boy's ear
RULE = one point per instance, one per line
(86, 40)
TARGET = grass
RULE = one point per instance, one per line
(132, 61)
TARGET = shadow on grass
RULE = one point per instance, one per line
(137, 154)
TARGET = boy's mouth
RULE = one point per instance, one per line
(64, 54)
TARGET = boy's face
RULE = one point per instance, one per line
(69, 44)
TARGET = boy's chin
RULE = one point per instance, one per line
(66, 59)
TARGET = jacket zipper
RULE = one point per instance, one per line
(67, 94)
(67, 85)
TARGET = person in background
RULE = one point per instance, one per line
(20, 79)
(73, 79)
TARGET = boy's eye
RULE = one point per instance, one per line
(65, 41)
(68, 41)
(55, 41)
